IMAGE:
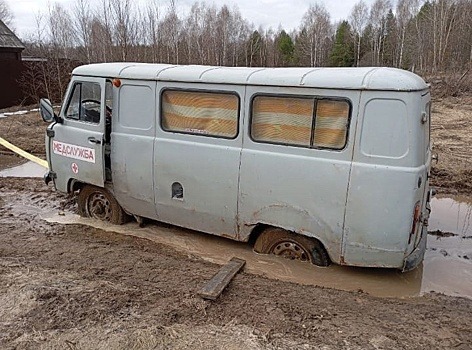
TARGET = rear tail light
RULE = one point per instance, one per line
(416, 219)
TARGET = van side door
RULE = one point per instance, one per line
(196, 156)
(76, 144)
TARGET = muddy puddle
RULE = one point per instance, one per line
(447, 267)
(28, 169)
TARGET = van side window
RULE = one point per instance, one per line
(84, 104)
(300, 121)
(202, 113)
(285, 120)
(331, 121)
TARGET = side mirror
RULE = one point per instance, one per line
(46, 110)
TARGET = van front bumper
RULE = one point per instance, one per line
(417, 255)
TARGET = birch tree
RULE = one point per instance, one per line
(83, 26)
(406, 10)
(358, 20)
(317, 31)
(378, 20)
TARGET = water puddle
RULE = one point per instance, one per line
(447, 267)
(380, 282)
(28, 169)
(452, 215)
(448, 259)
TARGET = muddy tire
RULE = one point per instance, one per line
(292, 246)
(99, 203)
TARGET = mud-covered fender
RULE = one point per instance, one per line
(296, 220)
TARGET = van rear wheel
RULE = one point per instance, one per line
(99, 203)
(292, 246)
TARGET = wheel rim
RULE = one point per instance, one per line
(291, 250)
(99, 207)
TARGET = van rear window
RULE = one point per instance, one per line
(331, 121)
(201, 113)
(300, 121)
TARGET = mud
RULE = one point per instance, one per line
(78, 287)
(10, 161)
(384, 283)
(450, 254)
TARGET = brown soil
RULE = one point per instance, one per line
(8, 160)
(451, 134)
(26, 131)
(75, 287)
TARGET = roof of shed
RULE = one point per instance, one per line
(367, 78)
(8, 38)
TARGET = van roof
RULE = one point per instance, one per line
(365, 78)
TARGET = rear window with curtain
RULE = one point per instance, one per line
(300, 121)
(331, 121)
(202, 113)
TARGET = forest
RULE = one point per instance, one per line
(432, 38)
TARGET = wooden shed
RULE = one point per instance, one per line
(11, 67)
(10, 46)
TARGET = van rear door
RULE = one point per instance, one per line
(76, 144)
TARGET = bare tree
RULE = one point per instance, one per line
(358, 20)
(6, 16)
(152, 26)
(317, 28)
(406, 10)
(444, 16)
(171, 27)
(433, 37)
(378, 21)
(83, 26)
(123, 22)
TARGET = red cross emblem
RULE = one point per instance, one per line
(75, 168)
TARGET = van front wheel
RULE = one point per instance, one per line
(98, 203)
(291, 246)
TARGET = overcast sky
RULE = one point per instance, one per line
(287, 13)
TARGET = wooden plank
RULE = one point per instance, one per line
(214, 287)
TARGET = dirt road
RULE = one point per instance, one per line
(76, 287)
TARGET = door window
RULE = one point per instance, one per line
(84, 104)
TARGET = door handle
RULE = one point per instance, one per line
(94, 140)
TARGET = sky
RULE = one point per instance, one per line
(268, 13)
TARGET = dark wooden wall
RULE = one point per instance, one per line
(11, 93)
